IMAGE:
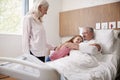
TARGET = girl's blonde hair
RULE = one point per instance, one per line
(71, 40)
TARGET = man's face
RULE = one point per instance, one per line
(87, 35)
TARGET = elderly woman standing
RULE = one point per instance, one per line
(34, 36)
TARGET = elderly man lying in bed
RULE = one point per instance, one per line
(89, 42)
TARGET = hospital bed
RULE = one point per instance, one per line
(74, 67)
(27, 67)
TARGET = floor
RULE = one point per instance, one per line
(3, 77)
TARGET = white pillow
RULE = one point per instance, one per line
(106, 38)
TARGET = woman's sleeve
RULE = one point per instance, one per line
(26, 35)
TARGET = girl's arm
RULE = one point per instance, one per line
(72, 46)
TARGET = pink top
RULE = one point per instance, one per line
(64, 51)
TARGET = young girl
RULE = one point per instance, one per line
(64, 49)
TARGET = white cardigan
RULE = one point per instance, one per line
(34, 37)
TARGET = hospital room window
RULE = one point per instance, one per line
(11, 14)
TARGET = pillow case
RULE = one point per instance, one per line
(106, 38)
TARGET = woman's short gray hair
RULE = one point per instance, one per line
(37, 3)
(35, 9)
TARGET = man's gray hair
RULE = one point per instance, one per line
(90, 29)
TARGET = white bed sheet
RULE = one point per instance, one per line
(85, 67)
(77, 66)
(105, 69)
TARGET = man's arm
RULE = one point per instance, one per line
(97, 45)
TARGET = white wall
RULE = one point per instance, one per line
(77, 4)
(10, 45)
(51, 22)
